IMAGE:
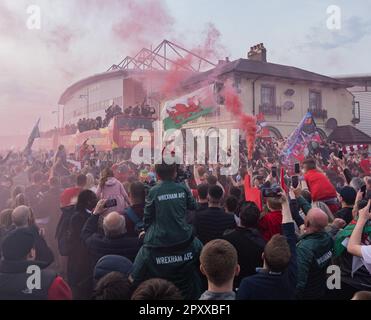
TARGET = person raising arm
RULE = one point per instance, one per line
(354, 246)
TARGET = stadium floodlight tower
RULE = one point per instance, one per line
(166, 56)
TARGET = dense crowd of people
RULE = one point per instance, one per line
(142, 111)
(68, 129)
(87, 124)
(113, 230)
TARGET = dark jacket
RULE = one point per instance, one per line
(210, 224)
(359, 280)
(191, 213)
(202, 206)
(42, 250)
(99, 245)
(249, 244)
(346, 214)
(79, 266)
(266, 285)
(130, 226)
(49, 208)
(49, 205)
(34, 194)
(314, 256)
(13, 282)
(4, 197)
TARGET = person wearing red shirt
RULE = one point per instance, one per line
(85, 151)
(69, 195)
(365, 164)
(270, 224)
(319, 185)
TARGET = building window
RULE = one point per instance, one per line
(268, 97)
(315, 100)
(215, 113)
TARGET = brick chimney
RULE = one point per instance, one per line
(222, 62)
(258, 53)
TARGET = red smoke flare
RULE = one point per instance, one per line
(176, 75)
(210, 47)
(246, 122)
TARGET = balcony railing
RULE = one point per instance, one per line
(269, 110)
(319, 113)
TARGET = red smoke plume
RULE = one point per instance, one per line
(209, 48)
(144, 23)
(246, 122)
(176, 75)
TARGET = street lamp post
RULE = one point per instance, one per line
(58, 124)
(86, 96)
(58, 117)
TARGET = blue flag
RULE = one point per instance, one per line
(299, 140)
(35, 133)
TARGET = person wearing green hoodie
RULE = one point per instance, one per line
(170, 251)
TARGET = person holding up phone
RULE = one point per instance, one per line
(115, 240)
(277, 279)
(295, 178)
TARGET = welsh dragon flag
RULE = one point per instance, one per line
(187, 108)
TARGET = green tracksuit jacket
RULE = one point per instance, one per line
(170, 250)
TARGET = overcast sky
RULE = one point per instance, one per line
(79, 38)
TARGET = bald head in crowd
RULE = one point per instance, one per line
(316, 221)
(21, 216)
(114, 225)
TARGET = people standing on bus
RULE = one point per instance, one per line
(128, 111)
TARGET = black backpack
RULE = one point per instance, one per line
(62, 233)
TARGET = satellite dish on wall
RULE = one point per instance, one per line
(288, 105)
(331, 124)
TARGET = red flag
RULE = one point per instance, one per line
(252, 194)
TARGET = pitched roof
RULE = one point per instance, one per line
(349, 135)
(259, 68)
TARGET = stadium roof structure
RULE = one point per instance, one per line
(166, 56)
